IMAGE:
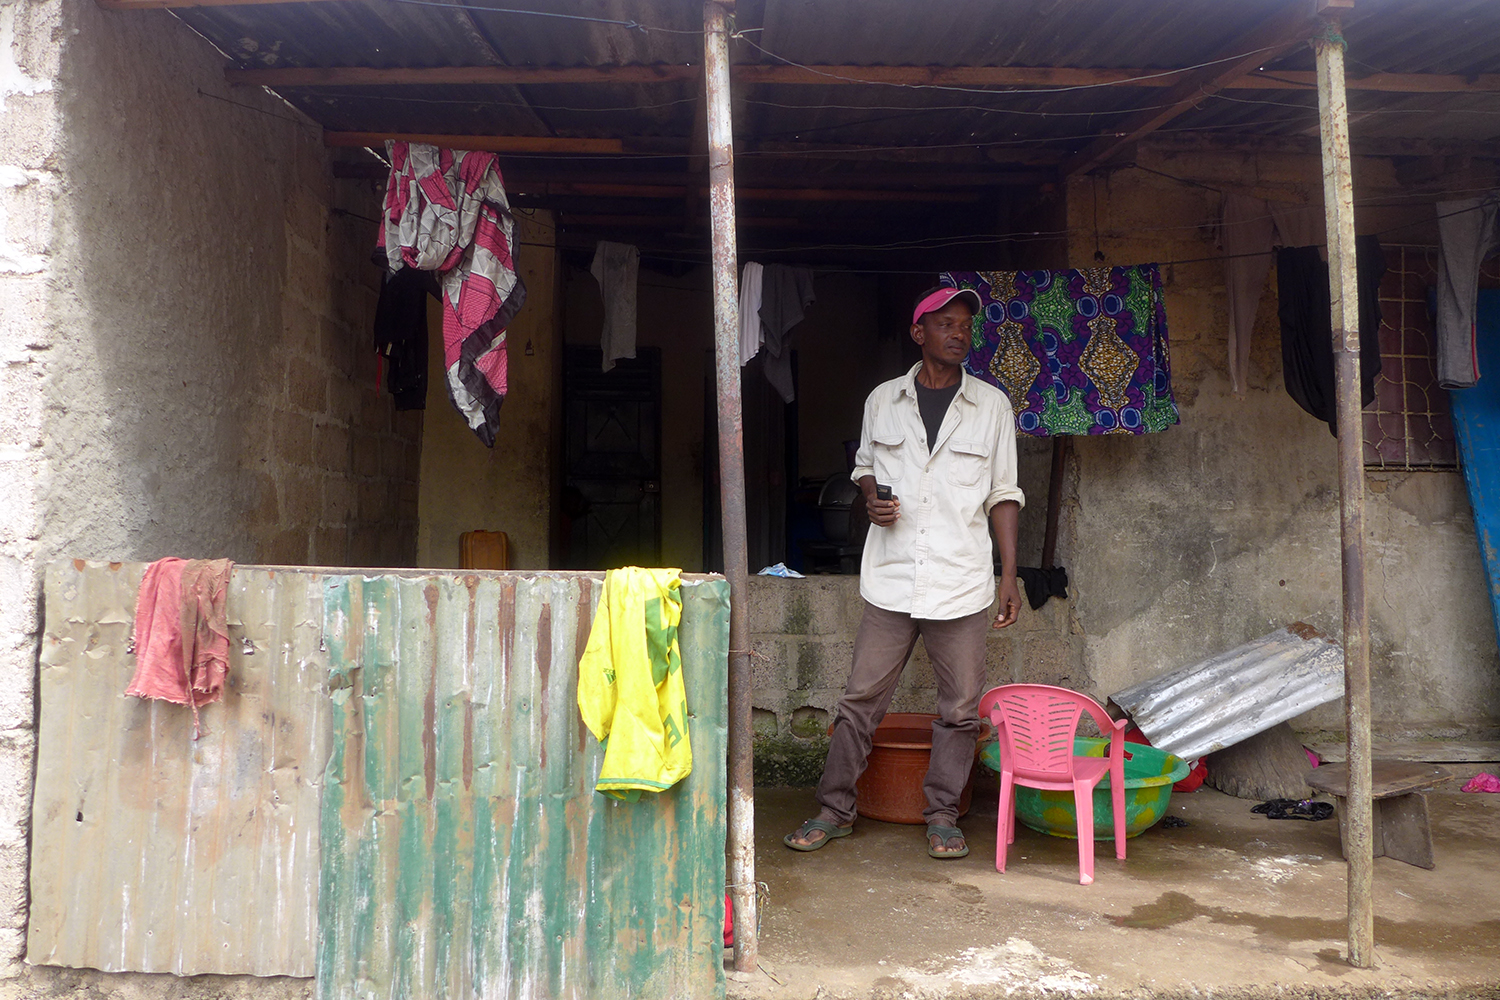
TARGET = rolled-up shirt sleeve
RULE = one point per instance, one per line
(1003, 464)
(864, 459)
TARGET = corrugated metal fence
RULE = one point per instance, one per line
(463, 849)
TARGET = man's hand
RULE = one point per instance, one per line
(1010, 603)
(882, 512)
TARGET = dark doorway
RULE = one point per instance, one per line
(611, 505)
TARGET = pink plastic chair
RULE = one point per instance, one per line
(1037, 724)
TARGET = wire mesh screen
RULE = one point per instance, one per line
(1408, 426)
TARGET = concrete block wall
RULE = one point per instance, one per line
(802, 643)
(335, 464)
(30, 179)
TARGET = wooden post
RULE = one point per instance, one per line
(731, 482)
(1338, 200)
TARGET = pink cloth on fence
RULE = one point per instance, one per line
(182, 633)
(1483, 782)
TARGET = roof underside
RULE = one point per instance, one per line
(974, 142)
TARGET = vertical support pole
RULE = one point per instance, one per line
(732, 483)
(1060, 445)
(1338, 200)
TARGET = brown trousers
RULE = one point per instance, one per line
(881, 649)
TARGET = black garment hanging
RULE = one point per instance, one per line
(401, 334)
(1307, 328)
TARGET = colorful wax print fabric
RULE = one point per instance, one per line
(1078, 352)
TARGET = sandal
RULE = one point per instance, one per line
(829, 831)
(1307, 809)
(946, 833)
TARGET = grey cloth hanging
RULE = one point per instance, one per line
(1246, 229)
(616, 267)
(1467, 234)
(786, 292)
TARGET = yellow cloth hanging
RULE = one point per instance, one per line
(630, 690)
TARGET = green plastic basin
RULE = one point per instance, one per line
(1149, 776)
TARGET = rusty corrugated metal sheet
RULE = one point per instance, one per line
(1227, 698)
(465, 850)
(152, 853)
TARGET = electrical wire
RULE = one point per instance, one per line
(1221, 96)
(310, 98)
(262, 111)
(1009, 90)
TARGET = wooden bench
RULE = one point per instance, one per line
(1400, 829)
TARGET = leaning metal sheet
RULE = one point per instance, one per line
(1227, 698)
(466, 852)
(153, 853)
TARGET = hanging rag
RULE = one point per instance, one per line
(1247, 227)
(1307, 328)
(786, 292)
(1299, 225)
(401, 335)
(1077, 351)
(446, 211)
(751, 331)
(1467, 234)
(182, 633)
(630, 690)
(616, 267)
(1042, 584)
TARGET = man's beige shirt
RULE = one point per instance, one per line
(936, 560)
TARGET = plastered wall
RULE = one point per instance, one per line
(185, 307)
(1189, 542)
(466, 486)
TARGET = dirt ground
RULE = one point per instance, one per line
(1232, 905)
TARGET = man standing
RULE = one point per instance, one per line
(945, 444)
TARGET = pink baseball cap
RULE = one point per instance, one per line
(938, 297)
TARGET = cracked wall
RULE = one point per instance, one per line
(1186, 543)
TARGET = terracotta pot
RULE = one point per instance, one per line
(890, 790)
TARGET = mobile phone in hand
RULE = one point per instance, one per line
(883, 492)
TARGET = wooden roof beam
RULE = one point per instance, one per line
(486, 143)
(976, 153)
(1277, 35)
(676, 191)
(965, 76)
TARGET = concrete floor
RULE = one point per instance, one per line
(1232, 905)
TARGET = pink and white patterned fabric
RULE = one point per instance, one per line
(446, 211)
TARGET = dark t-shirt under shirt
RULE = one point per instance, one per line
(933, 404)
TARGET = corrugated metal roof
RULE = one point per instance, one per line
(152, 853)
(1228, 698)
(466, 852)
(1430, 36)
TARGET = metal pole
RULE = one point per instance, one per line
(1338, 201)
(731, 483)
(1060, 445)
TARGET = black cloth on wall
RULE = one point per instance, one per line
(401, 334)
(1307, 328)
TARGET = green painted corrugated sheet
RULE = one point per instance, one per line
(465, 852)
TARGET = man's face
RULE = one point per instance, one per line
(944, 333)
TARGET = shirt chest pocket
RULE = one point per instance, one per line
(887, 447)
(968, 463)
